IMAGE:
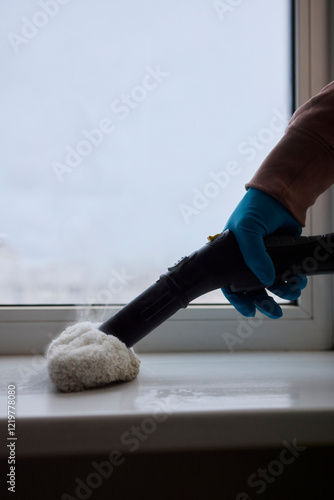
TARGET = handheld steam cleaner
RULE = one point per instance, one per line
(87, 355)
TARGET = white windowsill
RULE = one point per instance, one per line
(180, 402)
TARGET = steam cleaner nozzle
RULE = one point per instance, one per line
(219, 263)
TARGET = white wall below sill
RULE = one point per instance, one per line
(192, 401)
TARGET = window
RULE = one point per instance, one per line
(130, 131)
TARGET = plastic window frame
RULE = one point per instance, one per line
(306, 325)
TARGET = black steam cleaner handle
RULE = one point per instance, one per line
(217, 264)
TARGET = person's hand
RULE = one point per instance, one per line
(257, 215)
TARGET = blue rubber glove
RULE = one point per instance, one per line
(257, 215)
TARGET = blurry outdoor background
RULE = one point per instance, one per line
(128, 132)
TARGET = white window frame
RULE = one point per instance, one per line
(305, 326)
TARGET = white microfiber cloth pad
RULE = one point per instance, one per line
(83, 357)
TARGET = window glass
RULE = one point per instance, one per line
(128, 132)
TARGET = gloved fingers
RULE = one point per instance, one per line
(300, 280)
(265, 304)
(290, 290)
(246, 302)
(256, 257)
(243, 304)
